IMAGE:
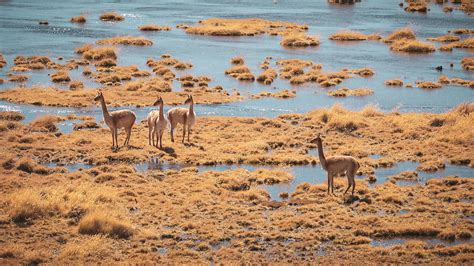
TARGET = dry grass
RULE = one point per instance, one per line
(284, 94)
(461, 31)
(84, 48)
(394, 82)
(364, 72)
(3, 62)
(445, 38)
(347, 35)
(400, 34)
(418, 6)
(153, 27)
(344, 92)
(267, 77)
(61, 76)
(299, 40)
(11, 116)
(76, 85)
(428, 85)
(243, 27)
(95, 223)
(237, 60)
(456, 81)
(468, 63)
(412, 46)
(467, 43)
(125, 40)
(111, 16)
(18, 78)
(78, 19)
(241, 73)
(98, 53)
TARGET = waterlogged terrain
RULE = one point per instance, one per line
(248, 186)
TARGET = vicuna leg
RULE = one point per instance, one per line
(171, 129)
(184, 127)
(113, 138)
(189, 132)
(332, 184)
(350, 181)
(149, 133)
(127, 130)
(161, 138)
(329, 182)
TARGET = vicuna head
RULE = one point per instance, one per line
(317, 139)
(99, 96)
(158, 101)
(189, 99)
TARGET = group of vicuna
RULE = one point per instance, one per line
(157, 124)
(157, 121)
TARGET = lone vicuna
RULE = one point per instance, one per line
(116, 120)
(156, 124)
(336, 165)
(183, 116)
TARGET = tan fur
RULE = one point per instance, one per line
(156, 124)
(186, 117)
(116, 120)
(337, 165)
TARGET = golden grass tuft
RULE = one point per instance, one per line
(78, 19)
(45, 123)
(238, 60)
(268, 76)
(467, 44)
(417, 6)
(96, 223)
(400, 34)
(428, 85)
(153, 27)
(84, 48)
(461, 31)
(445, 38)
(3, 62)
(60, 76)
(18, 78)
(11, 116)
(412, 46)
(242, 27)
(100, 53)
(125, 40)
(111, 16)
(284, 94)
(299, 40)
(344, 92)
(468, 63)
(394, 82)
(347, 35)
(240, 72)
(364, 72)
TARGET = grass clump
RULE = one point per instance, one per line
(400, 34)
(468, 63)
(347, 35)
(412, 46)
(11, 116)
(394, 82)
(125, 40)
(96, 223)
(237, 60)
(152, 27)
(99, 53)
(344, 92)
(111, 16)
(267, 76)
(3, 62)
(445, 38)
(78, 19)
(240, 73)
(60, 76)
(299, 40)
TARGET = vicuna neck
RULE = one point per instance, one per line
(322, 158)
(191, 107)
(161, 111)
(104, 108)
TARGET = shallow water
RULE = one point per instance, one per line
(313, 174)
(21, 35)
